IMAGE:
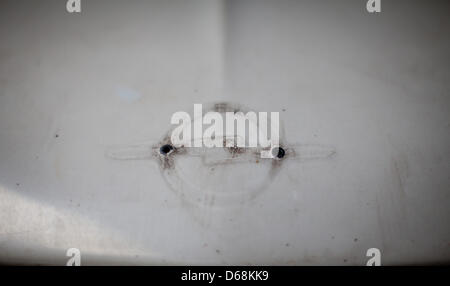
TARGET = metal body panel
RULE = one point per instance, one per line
(375, 88)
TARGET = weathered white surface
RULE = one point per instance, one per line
(375, 87)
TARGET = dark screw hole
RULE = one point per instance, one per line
(278, 152)
(165, 149)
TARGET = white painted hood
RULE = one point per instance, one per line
(374, 88)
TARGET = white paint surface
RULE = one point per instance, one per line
(373, 86)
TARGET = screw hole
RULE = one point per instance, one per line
(166, 149)
(278, 152)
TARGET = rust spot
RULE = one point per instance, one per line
(235, 151)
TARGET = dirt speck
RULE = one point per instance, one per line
(234, 151)
(225, 107)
